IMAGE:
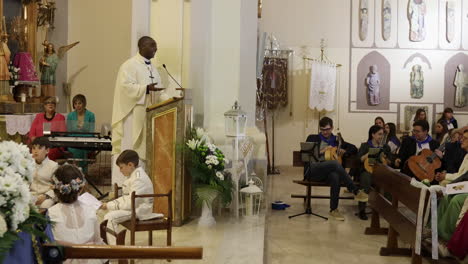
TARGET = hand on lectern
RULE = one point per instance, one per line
(152, 88)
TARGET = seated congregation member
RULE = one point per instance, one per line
(41, 186)
(441, 131)
(75, 222)
(379, 121)
(374, 140)
(392, 140)
(55, 122)
(332, 171)
(448, 118)
(414, 144)
(420, 115)
(137, 181)
(454, 153)
(80, 120)
(450, 206)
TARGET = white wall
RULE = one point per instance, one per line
(104, 30)
(300, 25)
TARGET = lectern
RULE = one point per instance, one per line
(168, 125)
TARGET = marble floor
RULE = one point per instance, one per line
(232, 240)
(305, 239)
(309, 239)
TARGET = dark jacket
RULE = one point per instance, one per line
(348, 147)
(453, 157)
(408, 149)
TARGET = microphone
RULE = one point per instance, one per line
(164, 66)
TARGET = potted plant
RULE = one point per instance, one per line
(210, 180)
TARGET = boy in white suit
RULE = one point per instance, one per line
(138, 182)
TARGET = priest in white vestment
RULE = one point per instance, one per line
(137, 77)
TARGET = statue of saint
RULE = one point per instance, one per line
(386, 19)
(48, 66)
(450, 20)
(460, 84)
(417, 82)
(416, 16)
(4, 72)
(363, 19)
(373, 85)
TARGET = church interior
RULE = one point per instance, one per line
(233, 131)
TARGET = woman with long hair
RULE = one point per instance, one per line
(392, 140)
(420, 115)
(441, 131)
(447, 116)
(374, 140)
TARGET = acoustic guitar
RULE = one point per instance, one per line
(423, 166)
(379, 158)
(332, 153)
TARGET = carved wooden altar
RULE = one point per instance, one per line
(168, 124)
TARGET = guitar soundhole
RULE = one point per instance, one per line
(429, 159)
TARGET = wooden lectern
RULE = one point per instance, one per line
(168, 124)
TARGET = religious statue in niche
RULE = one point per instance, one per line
(4, 61)
(460, 84)
(417, 82)
(416, 15)
(450, 20)
(373, 85)
(363, 19)
(48, 66)
(386, 19)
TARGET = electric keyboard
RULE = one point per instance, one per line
(86, 143)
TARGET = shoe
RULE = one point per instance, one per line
(337, 215)
(361, 196)
(362, 215)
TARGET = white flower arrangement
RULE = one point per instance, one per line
(17, 213)
(16, 169)
(207, 169)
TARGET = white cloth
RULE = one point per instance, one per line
(42, 181)
(120, 208)
(76, 223)
(423, 146)
(130, 100)
(20, 124)
(129, 112)
(140, 183)
(393, 147)
(432, 208)
(322, 86)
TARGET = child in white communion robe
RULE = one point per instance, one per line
(75, 222)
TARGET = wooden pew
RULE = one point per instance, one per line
(53, 253)
(387, 180)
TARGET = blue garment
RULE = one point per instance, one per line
(88, 126)
(23, 251)
(330, 141)
(420, 143)
(89, 122)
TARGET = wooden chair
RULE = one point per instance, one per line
(136, 225)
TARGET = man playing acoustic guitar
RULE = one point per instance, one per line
(331, 171)
(414, 144)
